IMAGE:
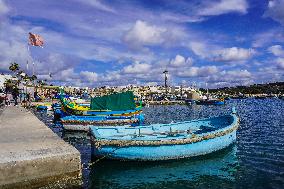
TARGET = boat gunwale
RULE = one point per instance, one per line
(90, 113)
(103, 122)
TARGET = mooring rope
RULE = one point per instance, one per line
(98, 160)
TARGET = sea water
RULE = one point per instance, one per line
(256, 160)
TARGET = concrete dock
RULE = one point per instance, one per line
(32, 156)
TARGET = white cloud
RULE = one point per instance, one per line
(13, 47)
(143, 33)
(276, 50)
(99, 5)
(137, 68)
(203, 71)
(179, 18)
(53, 63)
(203, 48)
(272, 74)
(198, 48)
(13, 51)
(233, 74)
(67, 75)
(234, 54)
(110, 76)
(89, 76)
(275, 10)
(280, 63)
(181, 61)
(232, 77)
(223, 7)
(268, 37)
(3, 7)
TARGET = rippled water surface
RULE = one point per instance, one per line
(255, 161)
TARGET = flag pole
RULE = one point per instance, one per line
(29, 52)
(35, 40)
(33, 68)
(27, 66)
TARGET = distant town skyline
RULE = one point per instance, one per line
(96, 43)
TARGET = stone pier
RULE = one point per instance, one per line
(32, 156)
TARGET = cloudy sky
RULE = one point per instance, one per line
(109, 42)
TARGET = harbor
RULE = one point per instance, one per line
(184, 141)
(63, 137)
(232, 167)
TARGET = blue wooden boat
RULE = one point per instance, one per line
(115, 109)
(165, 141)
(82, 123)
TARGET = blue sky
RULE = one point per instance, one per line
(96, 42)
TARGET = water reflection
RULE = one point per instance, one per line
(118, 174)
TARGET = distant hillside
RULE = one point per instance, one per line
(268, 88)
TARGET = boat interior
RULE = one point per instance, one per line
(179, 130)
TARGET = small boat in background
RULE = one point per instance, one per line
(119, 104)
(109, 110)
(82, 123)
(210, 102)
(165, 141)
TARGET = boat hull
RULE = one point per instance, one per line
(76, 127)
(83, 123)
(86, 127)
(166, 152)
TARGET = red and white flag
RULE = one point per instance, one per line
(35, 40)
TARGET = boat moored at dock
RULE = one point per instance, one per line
(119, 104)
(165, 141)
(82, 123)
(111, 110)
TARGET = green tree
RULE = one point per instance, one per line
(14, 67)
(8, 83)
(33, 78)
